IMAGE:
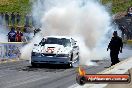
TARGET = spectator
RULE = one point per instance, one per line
(7, 18)
(18, 18)
(19, 35)
(13, 18)
(12, 35)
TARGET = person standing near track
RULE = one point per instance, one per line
(12, 35)
(115, 47)
(19, 35)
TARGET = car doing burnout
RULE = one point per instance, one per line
(55, 50)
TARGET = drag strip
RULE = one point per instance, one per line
(22, 75)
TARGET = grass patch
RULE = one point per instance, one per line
(118, 5)
(22, 6)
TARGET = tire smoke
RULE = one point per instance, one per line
(86, 20)
(3, 34)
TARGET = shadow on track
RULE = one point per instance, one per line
(51, 66)
(45, 68)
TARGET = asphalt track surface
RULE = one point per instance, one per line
(21, 74)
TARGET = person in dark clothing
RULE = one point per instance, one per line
(12, 35)
(13, 18)
(115, 46)
(7, 18)
(19, 35)
(18, 18)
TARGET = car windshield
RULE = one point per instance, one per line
(61, 41)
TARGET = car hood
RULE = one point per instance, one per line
(52, 49)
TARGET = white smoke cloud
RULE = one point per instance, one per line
(3, 31)
(86, 20)
(27, 49)
(3, 34)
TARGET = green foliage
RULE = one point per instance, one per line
(21, 6)
(24, 6)
(119, 5)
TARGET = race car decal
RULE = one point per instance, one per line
(50, 50)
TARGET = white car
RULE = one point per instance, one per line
(55, 50)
